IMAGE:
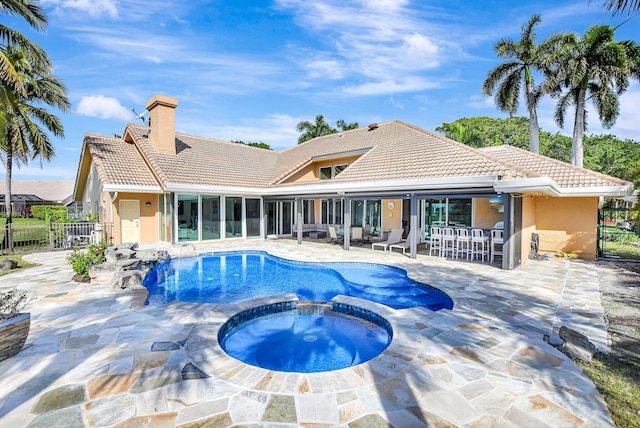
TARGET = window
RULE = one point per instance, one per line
(253, 218)
(325, 173)
(233, 217)
(329, 172)
(210, 217)
(187, 218)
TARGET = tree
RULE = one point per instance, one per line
(525, 58)
(21, 137)
(593, 67)
(343, 126)
(320, 127)
(464, 133)
(31, 12)
(258, 144)
(617, 7)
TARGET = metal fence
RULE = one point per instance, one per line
(55, 236)
(615, 228)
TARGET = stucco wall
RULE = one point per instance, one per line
(148, 216)
(92, 197)
(567, 224)
(391, 217)
(484, 215)
(311, 172)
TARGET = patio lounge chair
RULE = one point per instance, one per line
(333, 236)
(356, 236)
(394, 237)
(406, 245)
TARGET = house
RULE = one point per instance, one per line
(155, 184)
(25, 193)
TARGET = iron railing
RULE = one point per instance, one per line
(55, 236)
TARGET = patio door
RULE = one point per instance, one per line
(279, 218)
(130, 221)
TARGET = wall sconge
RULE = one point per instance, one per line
(148, 204)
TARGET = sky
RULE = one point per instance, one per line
(250, 70)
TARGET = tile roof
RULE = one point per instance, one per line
(119, 162)
(564, 174)
(393, 152)
(48, 190)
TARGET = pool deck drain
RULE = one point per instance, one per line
(93, 360)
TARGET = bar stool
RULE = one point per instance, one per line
(497, 240)
(448, 242)
(463, 243)
(435, 242)
(479, 244)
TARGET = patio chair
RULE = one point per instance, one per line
(333, 236)
(463, 243)
(435, 241)
(394, 237)
(448, 242)
(479, 244)
(406, 245)
(497, 241)
(356, 236)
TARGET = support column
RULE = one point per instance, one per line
(346, 206)
(508, 248)
(299, 219)
(413, 227)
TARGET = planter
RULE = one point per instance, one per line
(13, 334)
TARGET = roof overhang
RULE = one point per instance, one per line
(130, 188)
(547, 186)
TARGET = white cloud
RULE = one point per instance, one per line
(277, 130)
(479, 101)
(382, 44)
(103, 107)
(92, 7)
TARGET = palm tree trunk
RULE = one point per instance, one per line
(534, 130)
(577, 147)
(8, 232)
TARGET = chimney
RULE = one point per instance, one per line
(162, 120)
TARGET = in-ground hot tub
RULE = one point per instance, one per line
(305, 337)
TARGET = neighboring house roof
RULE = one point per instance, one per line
(393, 156)
(55, 191)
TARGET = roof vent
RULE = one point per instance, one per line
(340, 135)
(373, 126)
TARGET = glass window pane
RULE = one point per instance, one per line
(338, 169)
(233, 219)
(253, 216)
(210, 217)
(325, 173)
(187, 218)
(459, 212)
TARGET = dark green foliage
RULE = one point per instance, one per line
(258, 144)
(49, 213)
(603, 153)
(81, 261)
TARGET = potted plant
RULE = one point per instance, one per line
(14, 326)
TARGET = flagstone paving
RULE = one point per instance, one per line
(98, 357)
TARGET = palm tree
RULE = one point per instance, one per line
(31, 12)
(525, 58)
(312, 130)
(344, 126)
(596, 68)
(21, 137)
(616, 7)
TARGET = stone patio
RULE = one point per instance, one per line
(96, 357)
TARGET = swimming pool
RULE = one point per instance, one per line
(234, 277)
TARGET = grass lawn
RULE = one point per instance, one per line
(624, 250)
(619, 383)
(22, 265)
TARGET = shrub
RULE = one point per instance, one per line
(49, 213)
(81, 261)
(12, 302)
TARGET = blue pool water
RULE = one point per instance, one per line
(305, 341)
(238, 276)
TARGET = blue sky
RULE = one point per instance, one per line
(251, 70)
